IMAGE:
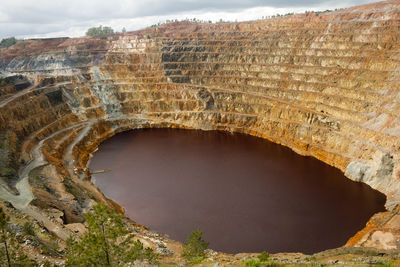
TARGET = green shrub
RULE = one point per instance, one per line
(251, 263)
(99, 31)
(29, 229)
(10, 173)
(262, 260)
(194, 250)
(7, 42)
(264, 256)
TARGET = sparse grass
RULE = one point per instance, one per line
(8, 163)
(39, 181)
(50, 248)
(253, 262)
(73, 189)
(48, 264)
(387, 263)
(4, 141)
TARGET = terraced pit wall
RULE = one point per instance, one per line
(323, 84)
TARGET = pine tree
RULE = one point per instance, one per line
(107, 242)
(195, 247)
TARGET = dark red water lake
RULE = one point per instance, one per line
(245, 193)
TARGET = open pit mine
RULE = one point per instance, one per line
(324, 84)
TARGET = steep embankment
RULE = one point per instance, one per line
(325, 85)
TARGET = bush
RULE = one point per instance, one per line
(194, 248)
(99, 31)
(262, 260)
(264, 256)
(7, 42)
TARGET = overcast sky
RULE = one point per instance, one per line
(54, 18)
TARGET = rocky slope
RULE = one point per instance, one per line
(324, 84)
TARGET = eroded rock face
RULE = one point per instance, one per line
(325, 85)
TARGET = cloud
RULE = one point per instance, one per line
(72, 17)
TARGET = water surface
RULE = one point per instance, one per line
(246, 194)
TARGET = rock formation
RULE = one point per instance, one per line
(324, 84)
